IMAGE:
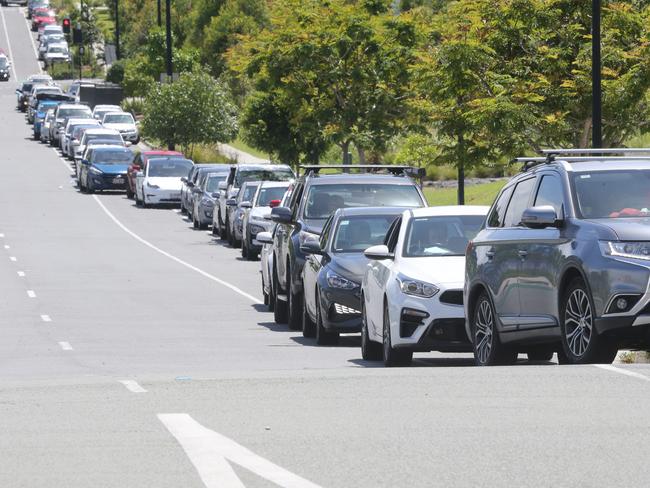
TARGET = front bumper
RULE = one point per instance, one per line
(342, 309)
(205, 214)
(155, 196)
(108, 181)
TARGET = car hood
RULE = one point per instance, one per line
(120, 126)
(313, 226)
(435, 269)
(629, 228)
(351, 265)
(112, 169)
(166, 182)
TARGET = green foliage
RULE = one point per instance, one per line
(482, 194)
(196, 109)
(115, 73)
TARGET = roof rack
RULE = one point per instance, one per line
(596, 151)
(583, 155)
(367, 168)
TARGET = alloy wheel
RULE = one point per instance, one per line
(484, 331)
(578, 322)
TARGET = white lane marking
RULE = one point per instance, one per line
(2, 235)
(21, 273)
(31, 38)
(11, 54)
(46, 318)
(626, 372)
(31, 293)
(65, 346)
(13, 258)
(174, 258)
(133, 386)
(210, 452)
(7, 247)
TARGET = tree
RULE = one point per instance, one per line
(196, 109)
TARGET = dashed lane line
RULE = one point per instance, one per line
(31, 293)
(7, 247)
(46, 318)
(13, 258)
(65, 346)
(133, 386)
(21, 274)
(174, 258)
(626, 372)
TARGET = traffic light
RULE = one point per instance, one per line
(66, 25)
(77, 37)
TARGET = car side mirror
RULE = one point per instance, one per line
(222, 185)
(139, 174)
(281, 215)
(245, 205)
(215, 194)
(311, 246)
(378, 252)
(264, 238)
(540, 217)
(231, 202)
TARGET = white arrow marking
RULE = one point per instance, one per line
(210, 452)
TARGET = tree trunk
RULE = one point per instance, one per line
(461, 183)
(362, 155)
(586, 132)
(171, 146)
(347, 157)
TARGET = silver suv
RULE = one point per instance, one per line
(563, 261)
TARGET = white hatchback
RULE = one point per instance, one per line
(412, 292)
(160, 181)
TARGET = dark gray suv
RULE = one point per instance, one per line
(563, 261)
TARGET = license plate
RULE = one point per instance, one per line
(118, 181)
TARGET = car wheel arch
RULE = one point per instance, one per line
(569, 274)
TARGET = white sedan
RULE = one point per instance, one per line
(412, 292)
(160, 181)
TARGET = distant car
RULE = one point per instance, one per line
(39, 117)
(205, 197)
(46, 40)
(100, 110)
(90, 147)
(334, 268)
(160, 181)
(124, 123)
(42, 16)
(34, 4)
(269, 195)
(38, 93)
(238, 207)
(25, 88)
(45, 127)
(63, 113)
(193, 179)
(65, 136)
(240, 173)
(56, 53)
(105, 169)
(140, 162)
(412, 291)
(51, 29)
(5, 68)
(76, 136)
(99, 133)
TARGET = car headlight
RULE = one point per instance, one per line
(256, 229)
(96, 171)
(417, 288)
(149, 185)
(636, 250)
(337, 281)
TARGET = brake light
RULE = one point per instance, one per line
(274, 203)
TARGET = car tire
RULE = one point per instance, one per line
(324, 337)
(308, 325)
(295, 305)
(392, 356)
(370, 350)
(266, 297)
(195, 223)
(580, 340)
(129, 193)
(224, 232)
(244, 250)
(488, 350)
(215, 229)
(280, 307)
(271, 305)
(183, 209)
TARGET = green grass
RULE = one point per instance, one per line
(242, 146)
(483, 194)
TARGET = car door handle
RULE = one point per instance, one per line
(522, 253)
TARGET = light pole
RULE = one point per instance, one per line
(596, 88)
(117, 29)
(168, 26)
(159, 15)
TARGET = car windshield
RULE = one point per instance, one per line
(613, 194)
(358, 232)
(57, 49)
(27, 87)
(212, 184)
(118, 119)
(74, 112)
(325, 199)
(244, 175)
(169, 168)
(3, 62)
(112, 157)
(271, 193)
(441, 235)
(44, 107)
(104, 137)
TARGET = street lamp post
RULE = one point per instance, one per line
(168, 26)
(117, 29)
(596, 88)
(159, 15)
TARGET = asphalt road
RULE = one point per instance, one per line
(134, 353)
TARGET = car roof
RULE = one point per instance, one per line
(345, 212)
(93, 132)
(598, 165)
(168, 159)
(211, 167)
(338, 179)
(72, 105)
(251, 183)
(267, 166)
(448, 210)
(275, 184)
(111, 147)
(102, 142)
(114, 112)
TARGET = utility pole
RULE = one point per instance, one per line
(596, 88)
(159, 15)
(168, 26)
(117, 29)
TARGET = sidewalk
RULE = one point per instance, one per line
(240, 156)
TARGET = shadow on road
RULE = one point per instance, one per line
(344, 341)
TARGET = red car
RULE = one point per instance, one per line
(139, 163)
(42, 16)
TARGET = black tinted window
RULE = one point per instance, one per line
(518, 202)
(550, 193)
(498, 211)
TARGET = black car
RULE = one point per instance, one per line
(314, 198)
(334, 268)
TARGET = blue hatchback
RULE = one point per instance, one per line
(39, 116)
(105, 169)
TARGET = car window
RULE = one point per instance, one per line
(169, 167)
(550, 193)
(248, 193)
(266, 195)
(518, 202)
(212, 182)
(357, 233)
(325, 234)
(280, 174)
(393, 234)
(498, 211)
(612, 193)
(441, 235)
